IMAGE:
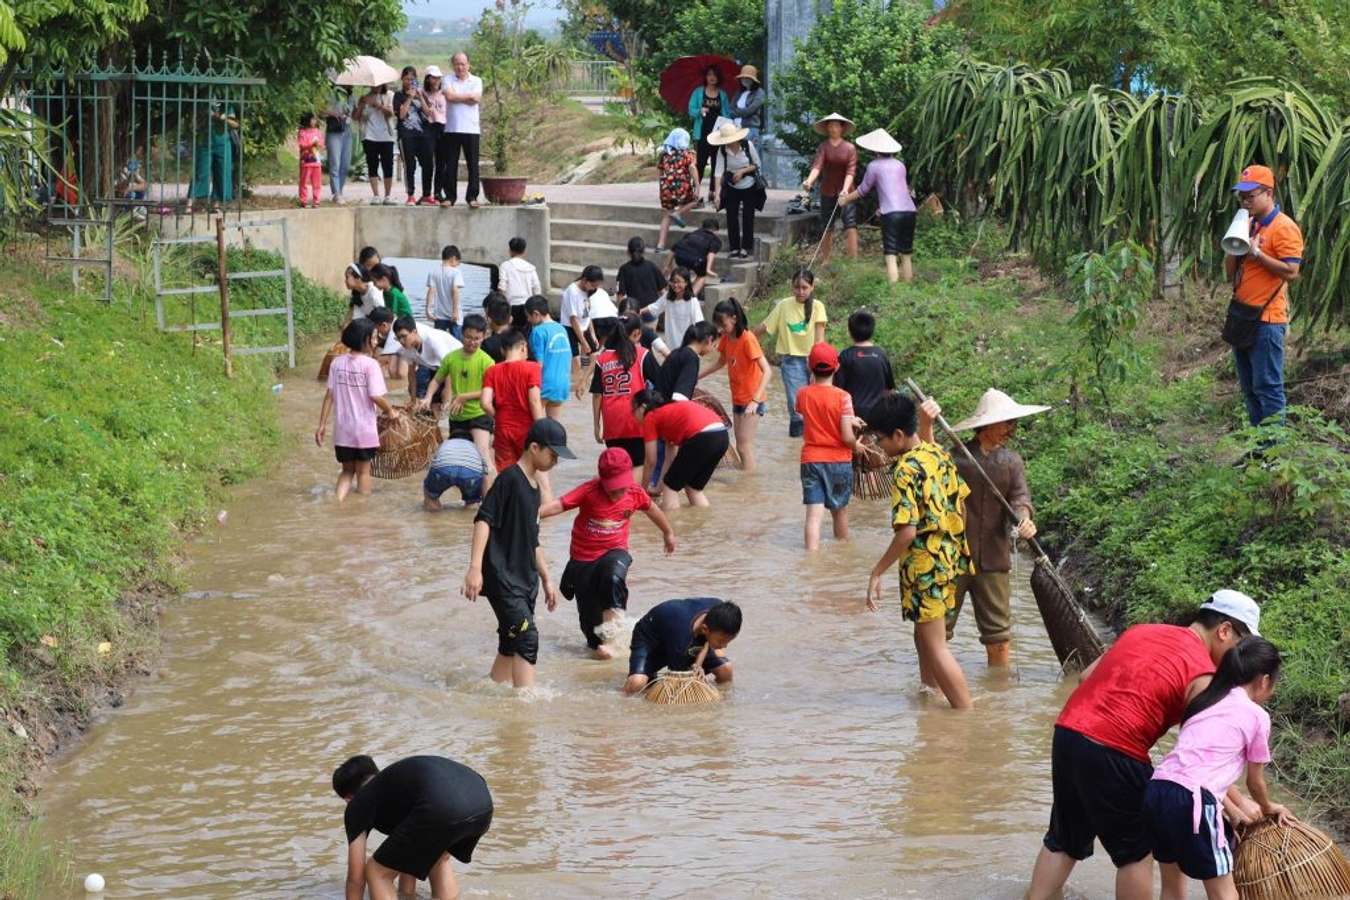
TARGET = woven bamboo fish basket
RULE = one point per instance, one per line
(1072, 633)
(1275, 862)
(732, 457)
(407, 445)
(871, 469)
(333, 353)
(681, 689)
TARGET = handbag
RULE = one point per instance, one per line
(759, 189)
(1241, 322)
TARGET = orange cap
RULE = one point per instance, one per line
(1254, 177)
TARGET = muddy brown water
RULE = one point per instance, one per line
(314, 630)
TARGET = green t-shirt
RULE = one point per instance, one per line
(787, 323)
(397, 301)
(465, 374)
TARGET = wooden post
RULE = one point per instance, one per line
(223, 277)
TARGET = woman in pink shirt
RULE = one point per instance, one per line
(886, 176)
(355, 389)
(1224, 733)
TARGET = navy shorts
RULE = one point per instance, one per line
(1098, 794)
(478, 423)
(739, 409)
(828, 483)
(1169, 811)
(424, 378)
(442, 478)
(354, 454)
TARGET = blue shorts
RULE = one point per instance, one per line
(442, 478)
(828, 483)
(1169, 811)
(740, 409)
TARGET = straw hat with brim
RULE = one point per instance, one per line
(879, 142)
(749, 72)
(728, 134)
(832, 117)
(994, 407)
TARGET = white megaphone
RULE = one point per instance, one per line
(1236, 242)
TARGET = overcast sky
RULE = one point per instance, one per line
(542, 11)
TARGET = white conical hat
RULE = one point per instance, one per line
(996, 406)
(819, 126)
(879, 142)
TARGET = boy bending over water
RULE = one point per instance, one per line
(431, 807)
(681, 635)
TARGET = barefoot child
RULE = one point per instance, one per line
(355, 389)
(829, 440)
(747, 371)
(430, 807)
(698, 433)
(929, 543)
(1225, 732)
(550, 347)
(621, 370)
(444, 285)
(597, 570)
(457, 464)
(864, 369)
(797, 324)
(511, 397)
(424, 348)
(506, 563)
(1099, 757)
(464, 371)
(681, 635)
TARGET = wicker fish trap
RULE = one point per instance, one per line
(1072, 633)
(681, 689)
(333, 353)
(1275, 861)
(732, 457)
(871, 469)
(407, 445)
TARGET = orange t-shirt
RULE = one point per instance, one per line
(822, 406)
(1279, 237)
(742, 355)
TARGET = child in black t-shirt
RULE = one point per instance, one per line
(498, 311)
(697, 251)
(864, 370)
(681, 635)
(506, 563)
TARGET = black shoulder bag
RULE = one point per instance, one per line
(1243, 319)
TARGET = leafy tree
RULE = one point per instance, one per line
(865, 61)
(62, 34)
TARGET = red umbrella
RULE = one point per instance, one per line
(685, 74)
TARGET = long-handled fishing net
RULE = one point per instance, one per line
(1072, 634)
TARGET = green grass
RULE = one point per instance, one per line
(1146, 501)
(118, 441)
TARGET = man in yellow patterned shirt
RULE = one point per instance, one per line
(928, 516)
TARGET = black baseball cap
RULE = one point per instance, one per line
(547, 433)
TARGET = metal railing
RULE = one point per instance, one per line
(589, 78)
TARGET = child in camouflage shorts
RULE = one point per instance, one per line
(929, 542)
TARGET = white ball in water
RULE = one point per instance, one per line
(94, 883)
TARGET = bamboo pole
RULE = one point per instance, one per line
(222, 276)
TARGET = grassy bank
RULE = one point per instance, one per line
(1145, 501)
(118, 442)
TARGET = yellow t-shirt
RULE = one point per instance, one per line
(793, 335)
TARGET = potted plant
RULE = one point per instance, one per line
(518, 67)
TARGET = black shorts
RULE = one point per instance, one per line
(517, 634)
(379, 155)
(897, 233)
(597, 585)
(576, 344)
(634, 447)
(428, 832)
(478, 423)
(1201, 853)
(843, 215)
(696, 460)
(1098, 794)
(698, 266)
(354, 454)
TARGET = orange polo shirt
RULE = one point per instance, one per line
(1278, 236)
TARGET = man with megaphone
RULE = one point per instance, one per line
(1258, 314)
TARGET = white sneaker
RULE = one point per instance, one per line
(376, 201)
(337, 201)
(390, 201)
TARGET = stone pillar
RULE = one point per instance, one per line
(785, 21)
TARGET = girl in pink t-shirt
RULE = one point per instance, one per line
(309, 141)
(355, 389)
(1224, 732)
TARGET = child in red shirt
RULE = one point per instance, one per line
(829, 438)
(747, 371)
(699, 434)
(511, 395)
(597, 572)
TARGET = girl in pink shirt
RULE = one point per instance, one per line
(310, 142)
(1224, 732)
(355, 389)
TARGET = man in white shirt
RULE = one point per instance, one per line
(423, 347)
(462, 130)
(518, 279)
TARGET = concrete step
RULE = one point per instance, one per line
(609, 257)
(618, 233)
(781, 226)
(561, 274)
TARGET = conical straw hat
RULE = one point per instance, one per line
(996, 406)
(879, 142)
(833, 117)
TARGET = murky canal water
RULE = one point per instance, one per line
(315, 631)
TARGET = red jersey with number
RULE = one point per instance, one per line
(602, 523)
(617, 387)
(677, 422)
(1138, 689)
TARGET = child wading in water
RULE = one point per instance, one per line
(506, 563)
(682, 635)
(355, 389)
(828, 443)
(621, 370)
(797, 324)
(1225, 732)
(927, 513)
(748, 372)
(597, 572)
(697, 432)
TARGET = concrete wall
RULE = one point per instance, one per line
(323, 241)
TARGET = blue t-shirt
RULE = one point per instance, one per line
(550, 347)
(664, 638)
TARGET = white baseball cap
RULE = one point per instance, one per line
(433, 72)
(1235, 605)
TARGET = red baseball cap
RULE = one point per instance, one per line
(1254, 177)
(616, 469)
(823, 359)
